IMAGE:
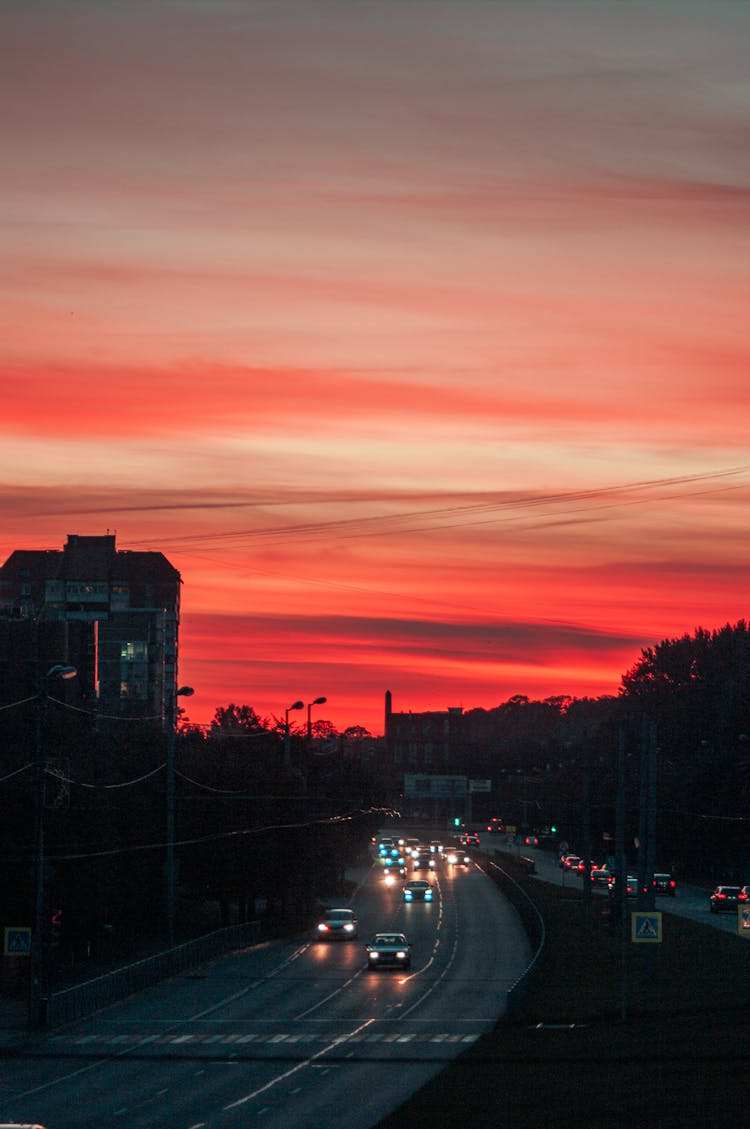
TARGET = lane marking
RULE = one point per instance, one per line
(295, 1069)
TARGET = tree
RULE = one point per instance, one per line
(233, 718)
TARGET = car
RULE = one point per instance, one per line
(424, 860)
(532, 840)
(469, 839)
(573, 862)
(411, 846)
(457, 858)
(600, 876)
(436, 847)
(631, 886)
(337, 925)
(496, 825)
(664, 884)
(388, 950)
(726, 898)
(417, 891)
(385, 846)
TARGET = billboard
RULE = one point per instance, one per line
(420, 786)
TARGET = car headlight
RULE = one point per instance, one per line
(428, 896)
(322, 928)
(348, 928)
(407, 896)
(374, 956)
(401, 955)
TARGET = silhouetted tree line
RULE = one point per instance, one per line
(256, 835)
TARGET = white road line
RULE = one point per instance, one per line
(295, 1069)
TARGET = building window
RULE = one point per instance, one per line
(134, 688)
(134, 650)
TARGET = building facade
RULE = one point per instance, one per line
(113, 614)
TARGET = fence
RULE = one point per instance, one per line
(532, 922)
(83, 999)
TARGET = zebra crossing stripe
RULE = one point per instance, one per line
(265, 1039)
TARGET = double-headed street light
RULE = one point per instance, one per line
(314, 702)
(37, 978)
(169, 867)
(287, 738)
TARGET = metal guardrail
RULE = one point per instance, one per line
(91, 995)
(532, 922)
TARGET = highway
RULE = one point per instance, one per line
(294, 1034)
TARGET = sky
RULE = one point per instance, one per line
(412, 332)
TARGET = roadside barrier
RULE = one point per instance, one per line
(83, 999)
(532, 922)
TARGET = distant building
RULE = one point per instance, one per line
(113, 614)
(434, 741)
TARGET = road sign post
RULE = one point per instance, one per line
(645, 927)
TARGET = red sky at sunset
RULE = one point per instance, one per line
(413, 332)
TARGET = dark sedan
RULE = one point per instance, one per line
(337, 925)
(726, 898)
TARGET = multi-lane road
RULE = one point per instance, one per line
(293, 1033)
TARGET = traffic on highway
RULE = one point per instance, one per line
(404, 968)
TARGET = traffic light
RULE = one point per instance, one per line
(456, 821)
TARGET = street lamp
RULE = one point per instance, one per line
(169, 868)
(314, 702)
(287, 738)
(36, 971)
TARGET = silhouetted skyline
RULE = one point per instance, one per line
(412, 334)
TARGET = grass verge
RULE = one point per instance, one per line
(671, 1051)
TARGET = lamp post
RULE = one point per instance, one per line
(314, 702)
(37, 1016)
(169, 867)
(287, 737)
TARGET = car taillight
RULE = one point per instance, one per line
(742, 897)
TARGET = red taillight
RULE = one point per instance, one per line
(721, 897)
(742, 897)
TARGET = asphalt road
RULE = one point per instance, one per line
(690, 901)
(292, 1034)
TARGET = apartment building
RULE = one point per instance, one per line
(113, 614)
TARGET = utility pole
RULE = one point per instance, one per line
(37, 976)
(621, 893)
(586, 824)
(169, 862)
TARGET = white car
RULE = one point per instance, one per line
(457, 859)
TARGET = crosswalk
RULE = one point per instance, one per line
(269, 1040)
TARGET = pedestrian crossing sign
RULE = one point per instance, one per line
(645, 927)
(17, 941)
